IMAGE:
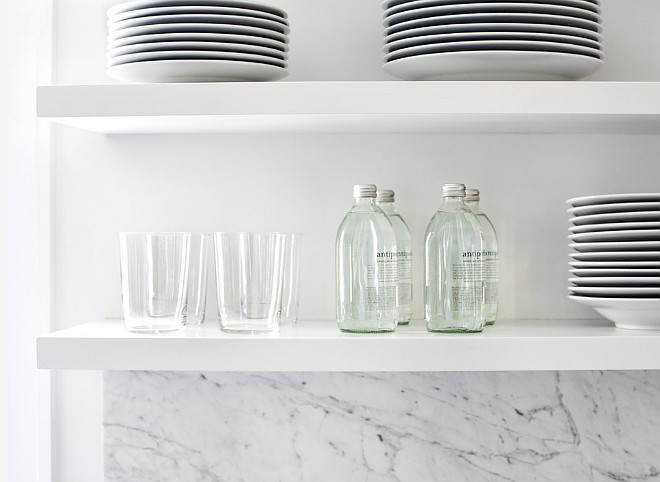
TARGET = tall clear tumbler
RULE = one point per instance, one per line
(249, 273)
(153, 280)
(198, 262)
(291, 279)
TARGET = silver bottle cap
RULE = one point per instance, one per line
(364, 191)
(385, 196)
(454, 190)
(472, 194)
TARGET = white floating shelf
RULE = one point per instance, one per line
(362, 106)
(319, 346)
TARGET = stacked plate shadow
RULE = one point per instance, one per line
(491, 40)
(615, 258)
(196, 41)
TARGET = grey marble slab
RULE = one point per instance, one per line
(476, 426)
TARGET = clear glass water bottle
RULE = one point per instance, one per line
(366, 267)
(453, 278)
(489, 256)
(385, 200)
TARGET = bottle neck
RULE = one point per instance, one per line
(365, 204)
(453, 203)
(474, 207)
(387, 207)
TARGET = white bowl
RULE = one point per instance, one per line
(627, 313)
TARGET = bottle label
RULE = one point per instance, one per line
(382, 281)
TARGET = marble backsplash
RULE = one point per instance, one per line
(453, 426)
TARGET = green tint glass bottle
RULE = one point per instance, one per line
(489, 257)
(385, 200)
(453, 278)
(366, 268)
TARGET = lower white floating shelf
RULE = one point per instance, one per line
(509, 345)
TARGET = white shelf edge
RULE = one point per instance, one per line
(510, 345)
(361, 106)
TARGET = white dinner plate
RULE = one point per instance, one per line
(610, 256)
(498, 17)
(488, 45)
(590, 228)
(194, 55)
(627, 313)
(200, 18)
(617, 291)
(198, 70)
(501, 35)
(140, 4)
(616, 272)
(616, 246)
(614, 208)
(624, 235)
(199, 37)
(612, 281)
(490, 7)
(615, 264)
(624, 217)
(210, 46)
(197, 27)
(195, 9)
(416, 33)
(614, 198)
(493, 65)
(394, 6)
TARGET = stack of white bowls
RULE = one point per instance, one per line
(615, 258)
(196, 41)
(492, 40)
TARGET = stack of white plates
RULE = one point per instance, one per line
(615, 262)
(196, 41)
(492, 40)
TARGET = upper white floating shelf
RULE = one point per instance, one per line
(361, 106)
(319, 346)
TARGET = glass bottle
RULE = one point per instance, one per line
(385, 200)
(489, 257)
(366, 267)
(453, 283)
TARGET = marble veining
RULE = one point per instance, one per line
(477, 426)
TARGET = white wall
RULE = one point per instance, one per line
(103, 185)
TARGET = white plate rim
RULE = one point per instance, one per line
(614, 207)
(200, 19)
(607, 246)
(615, 264)
(613, 198)
(624, 216)
(587, 4)
(488, 45)
(495, 18)
(173, 9)
(200, 37)
(160, 28)
(420, 40)
(638, 234)
(487, 26)
(193, 55)
(623, 291)
(242, 71)
(615, 272)
(575, 66)
(139, 4)
(485, 7)
(616, 255)
(212, 47)
(624, 226)
(616, 281)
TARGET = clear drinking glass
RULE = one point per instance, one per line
(291, 279)
(195, 306)
(249, 272)
(153, 280)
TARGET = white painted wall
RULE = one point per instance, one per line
(103, 185)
